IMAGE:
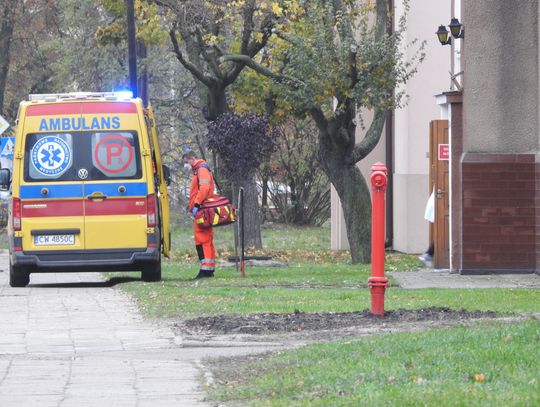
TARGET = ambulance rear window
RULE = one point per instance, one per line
(82, 156)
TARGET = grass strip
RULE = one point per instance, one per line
(306, 288)
(488, 366)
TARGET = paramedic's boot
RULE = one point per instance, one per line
(204, 274)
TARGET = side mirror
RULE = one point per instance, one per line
(167, 175)
(5, 179)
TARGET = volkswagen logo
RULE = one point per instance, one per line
(83, 173)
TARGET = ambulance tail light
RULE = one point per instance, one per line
(151, 214)
(16, 213)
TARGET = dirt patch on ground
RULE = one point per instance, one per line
(265, 324)
(262, 335)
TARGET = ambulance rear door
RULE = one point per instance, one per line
(50, 197)
(115, 178)
(162, 185)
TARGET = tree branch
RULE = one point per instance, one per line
(249, 9)
(251, 48)
(288, 38)
(266, 28)
(247, 61)
(373, 135)
(233, 73)
(353, 70)
(188, 65)
(209, 56)
(319, 117)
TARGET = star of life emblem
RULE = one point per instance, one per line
(51, 156)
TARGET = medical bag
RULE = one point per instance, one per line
(215, 211)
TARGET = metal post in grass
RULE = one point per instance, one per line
(377, 283)
(241, 229)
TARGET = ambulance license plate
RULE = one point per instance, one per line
(51, 240)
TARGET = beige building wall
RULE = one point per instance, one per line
(411, 132)
(411, 126)
(502, 64)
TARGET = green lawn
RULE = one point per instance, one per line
(485, 366)
(304, 287)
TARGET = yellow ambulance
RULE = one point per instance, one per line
(89, 191)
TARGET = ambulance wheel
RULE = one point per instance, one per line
(152, 272)
(18, 276)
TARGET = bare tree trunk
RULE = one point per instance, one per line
(7, 21)
(356, 203)
(216, 103)
(252, 217)
(354, 195)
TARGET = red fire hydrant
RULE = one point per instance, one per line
(377, 282)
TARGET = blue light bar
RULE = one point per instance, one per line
(124, 94)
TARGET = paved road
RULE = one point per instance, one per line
(72, 340)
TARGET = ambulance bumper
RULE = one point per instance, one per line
(85, 260)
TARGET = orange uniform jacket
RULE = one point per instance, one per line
(202, 184)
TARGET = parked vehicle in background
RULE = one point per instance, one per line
(89, 190)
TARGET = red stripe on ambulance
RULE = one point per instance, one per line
(42, 208)
(54, 110)
(58, 208)
(104, 107)
(122, 206)
(62, 109)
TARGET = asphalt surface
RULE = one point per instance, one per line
(72, 340)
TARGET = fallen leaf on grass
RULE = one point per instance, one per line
(419, 379)
(479, 377)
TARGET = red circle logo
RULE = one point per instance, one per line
(112, 149)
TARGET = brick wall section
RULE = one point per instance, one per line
(499, 220)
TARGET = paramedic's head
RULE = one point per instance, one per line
(189, 156)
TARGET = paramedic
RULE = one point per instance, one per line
(202, 188)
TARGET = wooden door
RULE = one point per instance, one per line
(439, 167)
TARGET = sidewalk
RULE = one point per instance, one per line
(443, 279)
(72, 340)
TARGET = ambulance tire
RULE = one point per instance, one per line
(152, 272)
(18, 277)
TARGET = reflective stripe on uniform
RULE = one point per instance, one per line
(211, 268)
(204, 181)
(208, 260)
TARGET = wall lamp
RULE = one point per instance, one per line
(456, 29)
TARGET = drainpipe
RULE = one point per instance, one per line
(389, 154)
(389, 158)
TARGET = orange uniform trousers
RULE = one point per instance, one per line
(204, 242)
